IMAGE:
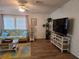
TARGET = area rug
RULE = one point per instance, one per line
(24, 50)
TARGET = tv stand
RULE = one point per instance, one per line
(62, 42)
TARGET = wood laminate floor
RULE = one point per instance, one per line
(43, 49)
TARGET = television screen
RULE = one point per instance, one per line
(60, 26)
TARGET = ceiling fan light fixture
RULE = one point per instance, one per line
(22, 5)
(21, 9)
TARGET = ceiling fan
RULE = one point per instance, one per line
(25, 4)
(22, 5)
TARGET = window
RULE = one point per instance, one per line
(9, 22)
(14, 22)
(20, 22)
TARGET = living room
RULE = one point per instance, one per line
(28, 33)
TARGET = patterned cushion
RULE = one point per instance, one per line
(17, 33)
(5, 34)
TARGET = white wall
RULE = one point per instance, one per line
(41, 19)
(71, 10)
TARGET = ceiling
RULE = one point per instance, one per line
(35, 6)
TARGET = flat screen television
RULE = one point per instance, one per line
(60, 26)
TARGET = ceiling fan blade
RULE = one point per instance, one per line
(22, 1)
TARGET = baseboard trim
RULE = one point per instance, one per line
(74, 55)
(40, 38)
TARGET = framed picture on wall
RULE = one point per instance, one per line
(34, 21)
